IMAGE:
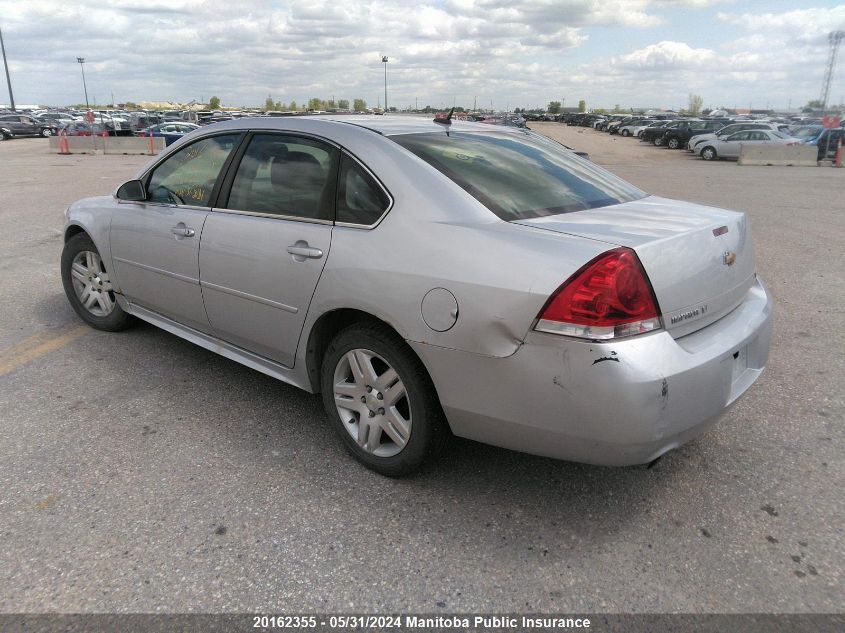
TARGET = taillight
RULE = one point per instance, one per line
(608, 298)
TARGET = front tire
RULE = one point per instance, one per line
(88, 286)
(46, 132)
(658, 142)
(709, 153)
(380, 400)
(626, 133)
(673, 143)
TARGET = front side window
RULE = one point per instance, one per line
(519, 176)
(360, 200)
(188, 176)
(285, 175)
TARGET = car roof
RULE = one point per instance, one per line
(385, 125)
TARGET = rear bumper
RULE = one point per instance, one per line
(618, 403)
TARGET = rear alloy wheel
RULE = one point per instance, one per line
(626, 133)
(46, 132)
(709, 153)
(658, 142)
(673, 143)
(88, 285)
(380, 400)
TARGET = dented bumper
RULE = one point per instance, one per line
(614, 403)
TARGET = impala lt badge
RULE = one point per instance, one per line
(728, 258)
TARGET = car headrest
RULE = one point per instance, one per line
(297, 169)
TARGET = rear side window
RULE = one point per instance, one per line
(360, 200)
(519, 175)
(285, 175)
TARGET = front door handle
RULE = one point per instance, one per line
(183, 231)
(301, 251)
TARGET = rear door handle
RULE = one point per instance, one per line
(182, 230)
(301, 251)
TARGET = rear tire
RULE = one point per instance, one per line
(88, 286)
(626, 133)
(673, 143)
(709, 153)
(46, 132)
(380, 400)
(658, 142)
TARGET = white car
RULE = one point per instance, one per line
(730, 147)
(696, 142)
(635, 128)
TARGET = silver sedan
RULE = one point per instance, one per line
(431, 278)
(731, 146)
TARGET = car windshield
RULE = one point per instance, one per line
(519, 176)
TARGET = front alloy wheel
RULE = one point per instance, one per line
(708, 153)
(88, 285)
(92, 284)
(45, 132)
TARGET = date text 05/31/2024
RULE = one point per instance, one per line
(420, 622)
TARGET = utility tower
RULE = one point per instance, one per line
(834, 37)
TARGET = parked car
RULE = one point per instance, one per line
(695, 143)
(730, 147)
(83, 128)
(322, 254)
(634, 127)
(171, 132)
(654, 133)
(23, 125)
(827, 142)
(678, 137)
(58, 119)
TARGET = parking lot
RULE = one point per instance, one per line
(141, 473)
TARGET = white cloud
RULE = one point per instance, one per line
(517, 51)
(665, 56)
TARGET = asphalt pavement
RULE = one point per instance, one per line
(140, 473)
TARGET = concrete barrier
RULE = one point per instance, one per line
(771, 154)
(108, 145)
(132, 144)
(77, 144)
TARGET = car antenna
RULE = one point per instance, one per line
(447, 120)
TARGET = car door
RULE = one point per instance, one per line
(264, 247)
(729, 148)
(13, 124)
(155, 243)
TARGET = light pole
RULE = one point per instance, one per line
(8, 80)
(81, 61)
(384, 61)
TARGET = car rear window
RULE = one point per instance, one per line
(519, 176)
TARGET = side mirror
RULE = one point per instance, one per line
(132, 191)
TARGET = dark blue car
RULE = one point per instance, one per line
(171, 131)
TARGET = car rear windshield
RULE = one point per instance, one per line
(519, 175)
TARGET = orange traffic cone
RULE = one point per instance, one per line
(64, 146)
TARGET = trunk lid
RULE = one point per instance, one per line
(700, 260)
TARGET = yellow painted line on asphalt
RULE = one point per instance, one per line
(38, 345)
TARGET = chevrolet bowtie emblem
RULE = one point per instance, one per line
(728, 258)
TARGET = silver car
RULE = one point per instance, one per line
(731, 146)
(429, 277)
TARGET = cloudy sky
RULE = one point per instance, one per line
(509, 52)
